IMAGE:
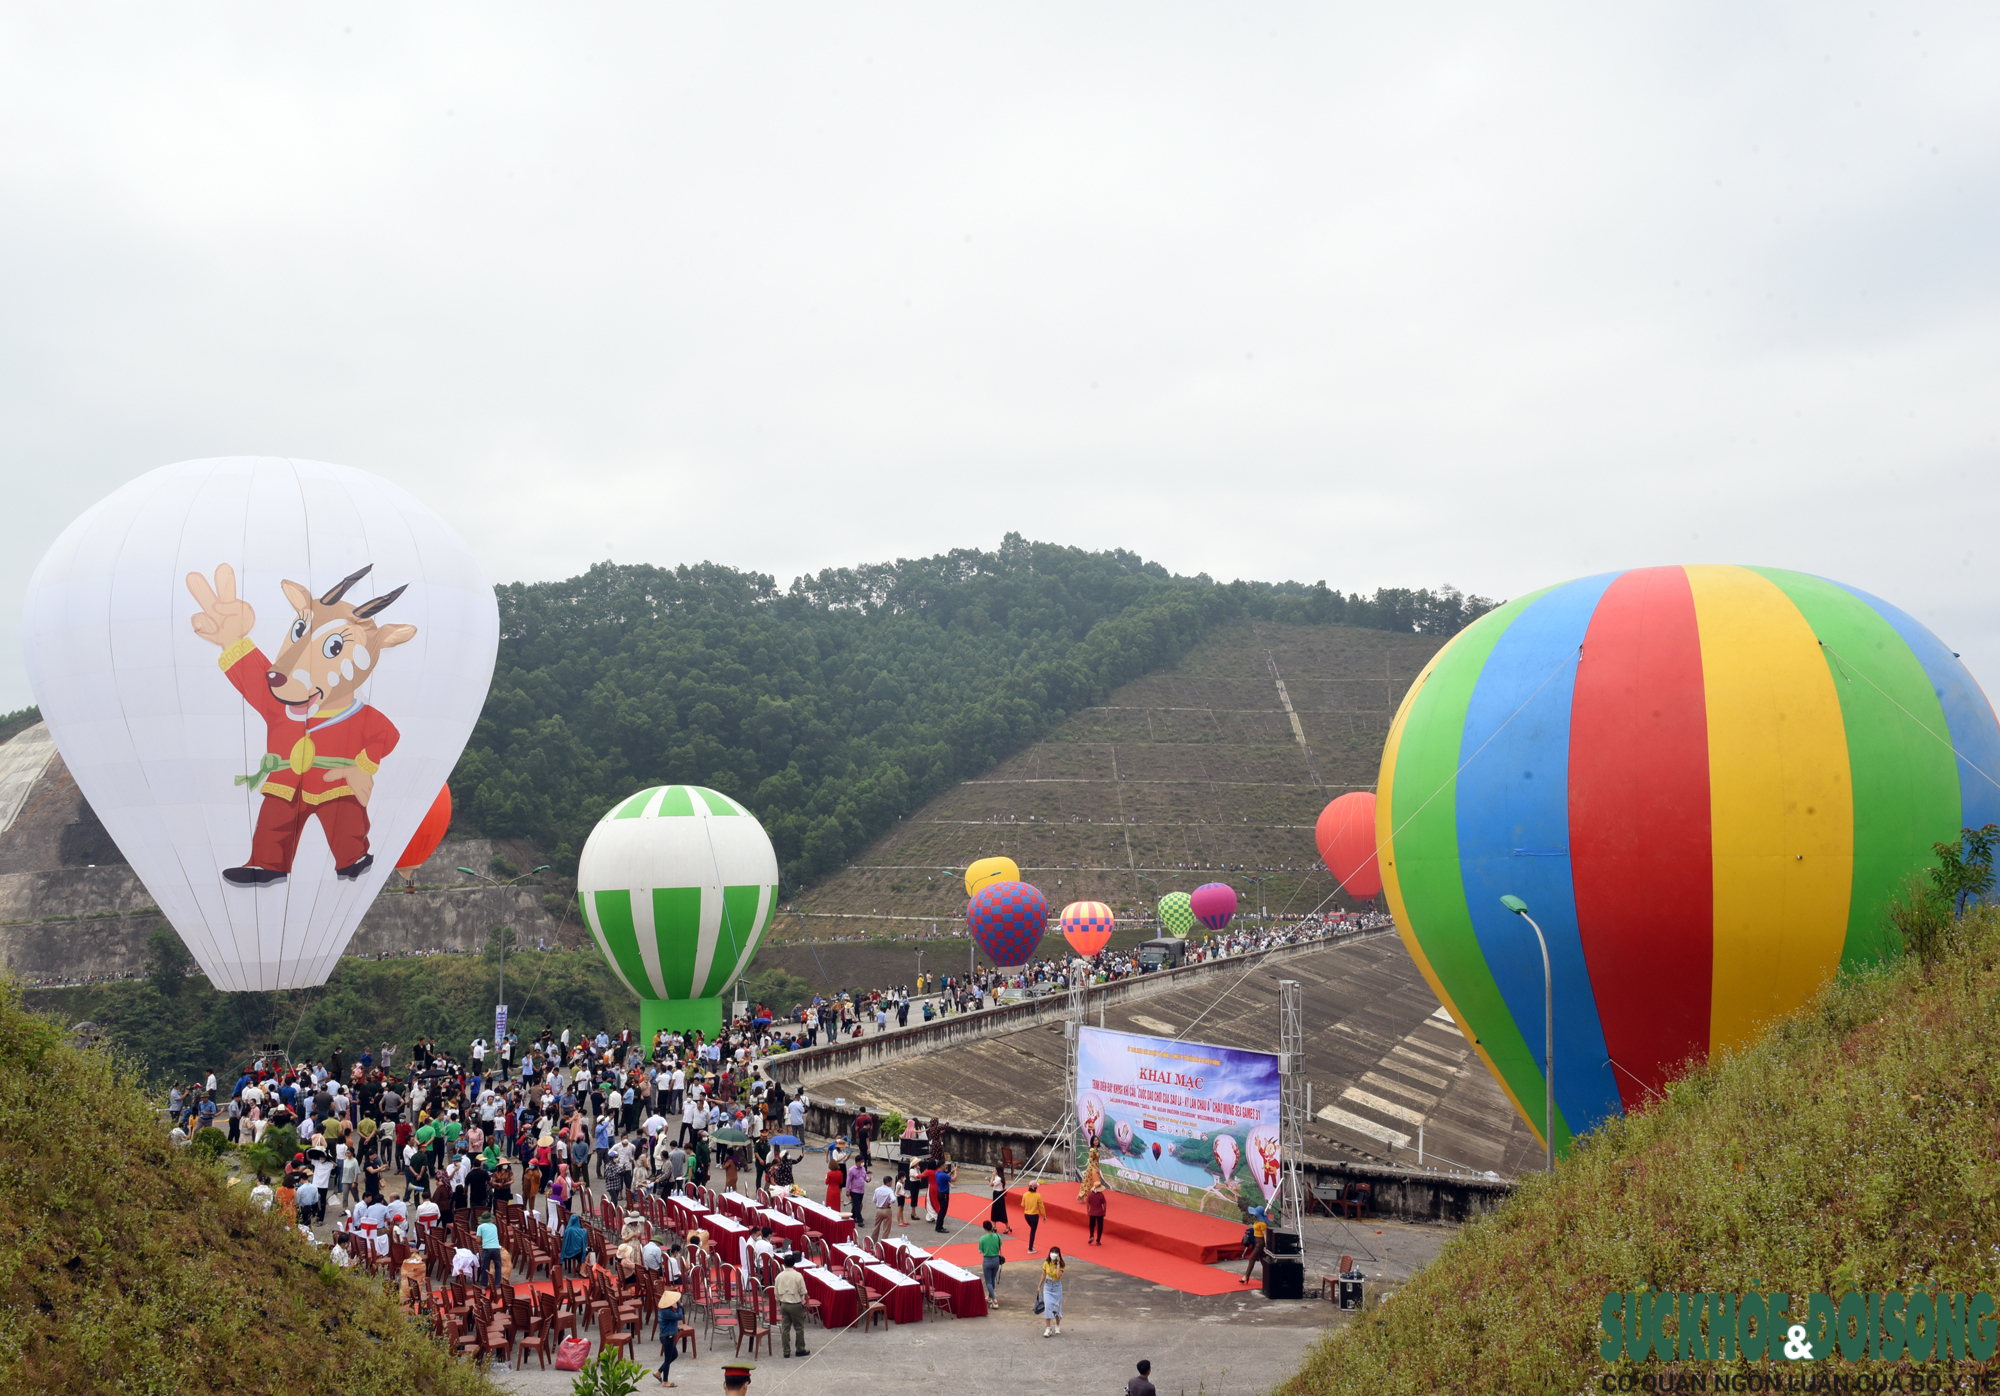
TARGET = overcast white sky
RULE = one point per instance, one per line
(1388, 295)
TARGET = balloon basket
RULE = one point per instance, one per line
(679, 1015)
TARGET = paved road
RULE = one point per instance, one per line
(1235, 1344)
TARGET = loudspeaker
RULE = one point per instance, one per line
(1283, 1242)
(1284, 1279)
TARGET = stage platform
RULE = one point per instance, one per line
(1125, 1253)
(1140, 1221)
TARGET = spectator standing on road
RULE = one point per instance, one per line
(989, 1263)
(885, 1210)
(857, 1184)
(1141, 1385)
(1052, 1283)
(791, 1293)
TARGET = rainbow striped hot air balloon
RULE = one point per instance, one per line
(1708, 783)
(677, 884)
(1087, 926)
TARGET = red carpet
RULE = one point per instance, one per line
(1174, 1230)
(1121, 1253)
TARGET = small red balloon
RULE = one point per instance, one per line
(430, 833)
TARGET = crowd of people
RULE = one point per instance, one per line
(512, 1093)
(393, 1146)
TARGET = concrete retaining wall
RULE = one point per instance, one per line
(72, 923)
(862, 1054)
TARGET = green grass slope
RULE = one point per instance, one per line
(1855, 1147)
(126, 1265)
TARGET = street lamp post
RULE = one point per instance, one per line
(502, 938)
(1520, 909)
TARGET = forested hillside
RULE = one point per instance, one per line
(836, 705)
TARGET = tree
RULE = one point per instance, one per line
(167, 961)
(1926, 918)
(835, 706)
(1964, 871)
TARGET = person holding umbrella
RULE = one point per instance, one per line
(732, 1137)
(781, 1165)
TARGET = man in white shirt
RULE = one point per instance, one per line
(885, 1203)
(478, 1050)
(795, 1114)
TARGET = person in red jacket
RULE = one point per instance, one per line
(323, 745)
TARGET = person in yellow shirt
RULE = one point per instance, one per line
(1033, 1208)
(1260, 1231)
(1052, 1278)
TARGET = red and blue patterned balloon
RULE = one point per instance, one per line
(1007, 919)
(1214, 903)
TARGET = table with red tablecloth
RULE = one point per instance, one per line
(835, 1226)
(684, 1214)
(735, 1204)
(792, 1229)
(966, 1290)
(905, 1254)
(839, 1304)
(902, 1297)
(729, 1235)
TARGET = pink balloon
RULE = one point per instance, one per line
(1214, 903)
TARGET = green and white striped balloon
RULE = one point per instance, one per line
(677, 884)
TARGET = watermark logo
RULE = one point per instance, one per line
(1647, 1325)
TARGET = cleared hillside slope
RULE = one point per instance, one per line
(1855, 1147)
(1193, 773)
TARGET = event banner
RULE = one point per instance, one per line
(1182, 1122)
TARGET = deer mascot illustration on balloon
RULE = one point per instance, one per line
(323, 744)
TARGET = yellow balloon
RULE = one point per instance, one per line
(988, 871)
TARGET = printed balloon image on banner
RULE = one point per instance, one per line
(1183, 1122)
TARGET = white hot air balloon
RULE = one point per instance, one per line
(1226, 1156)
(677, 885)
(259, 672)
